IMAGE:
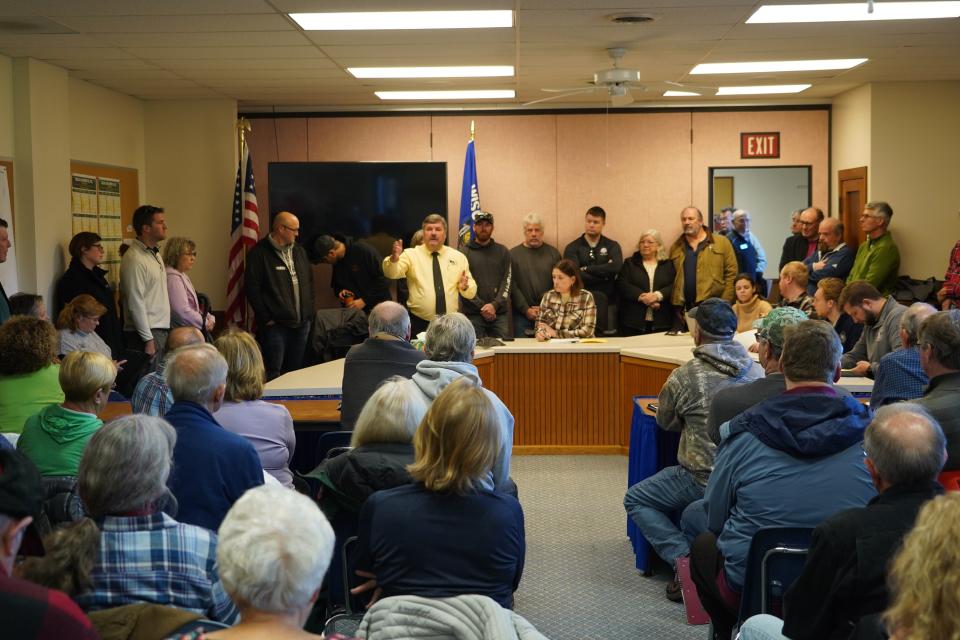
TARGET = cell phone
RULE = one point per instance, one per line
(652, 406)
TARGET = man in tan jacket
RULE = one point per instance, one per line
(706, 263)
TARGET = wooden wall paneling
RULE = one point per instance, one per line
(638, 377)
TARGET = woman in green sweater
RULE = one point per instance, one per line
(55, 438)
(28, 371)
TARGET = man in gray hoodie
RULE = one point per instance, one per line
(718, 362)
(449, 349)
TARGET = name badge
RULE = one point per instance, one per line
(744, 246)
(280, 268)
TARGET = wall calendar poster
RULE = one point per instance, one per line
(96, 207)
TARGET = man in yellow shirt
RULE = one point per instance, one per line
(436, 274)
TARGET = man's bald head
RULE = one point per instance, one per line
(390, 318)
(905, 445)
(183, 337)
(810, 220)
(286, 228)
(284, 219)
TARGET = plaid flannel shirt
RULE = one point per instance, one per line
(899, 377)
(152, 395)
(576, 318)
(158, 560)
(952, 277)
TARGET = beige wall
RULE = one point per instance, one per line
(190, 172)
(915, 134)
(6, 107)
(851, 132)
(641, 167)
(106, 127)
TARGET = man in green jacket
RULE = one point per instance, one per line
(878, 258)
(705, 262)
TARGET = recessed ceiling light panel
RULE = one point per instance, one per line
(773, 67)
(679, 94)
(762, 89)
(382, 20)
(471, 94)
(854, 12)
(432, 72)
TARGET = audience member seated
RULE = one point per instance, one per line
(567, 310)
(28, 371)
(69, 555)
(826, 302)
(78, 325)
(179, 256)
(447, 534)
(949, 294)
(267, 426)
(645, 285)
(880, 317)
(28, 304)
(878, 258)
(718, 362)
(387, 352)
(791, 461)
(449, 350)
(793, 288)
(276, 587)
(749, 306)
(899, 375)
(924, 595)
(54, 438)
(844, 578)
(26, 609)
(940, 359)
(152, 396)
(212, 467)
(833, 258)
(145, 555)
(382, 448)
(735, 399)
(84, 276)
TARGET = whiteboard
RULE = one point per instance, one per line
(8, 269)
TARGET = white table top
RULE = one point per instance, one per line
(327, 379)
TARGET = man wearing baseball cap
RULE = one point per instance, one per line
(28, 610)
(491, 267)
(718, 362)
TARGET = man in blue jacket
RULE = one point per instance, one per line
(791, 461)
(212, 467)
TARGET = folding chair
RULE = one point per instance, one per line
(775, 561)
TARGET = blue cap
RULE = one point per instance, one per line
(716, 317)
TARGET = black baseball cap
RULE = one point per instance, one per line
(482, 216)
(716, 317)
(21, 492)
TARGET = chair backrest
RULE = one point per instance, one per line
(775, 561)
(330, 440)
(950, 480)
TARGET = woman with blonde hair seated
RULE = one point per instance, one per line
(179, 256)
(567, 310)
(29, 372)
(267, 426)
(443, 535)
(78, 322)
(54, 438)
(750, 306)
(382, 448)
(925, 576)
(276, 585)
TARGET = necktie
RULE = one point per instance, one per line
(438, 285)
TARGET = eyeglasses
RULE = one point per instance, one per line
(96, 246)
(192, 254)
(869, 215)
(808, 224)
(294, 229)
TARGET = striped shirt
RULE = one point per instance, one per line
(152, 395)
(158, 560)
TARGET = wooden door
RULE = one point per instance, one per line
(853, 195)
(722, 193)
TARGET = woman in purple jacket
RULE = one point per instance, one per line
(179, 256)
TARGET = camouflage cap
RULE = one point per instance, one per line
(770, 327)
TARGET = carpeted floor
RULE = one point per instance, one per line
(580, 581)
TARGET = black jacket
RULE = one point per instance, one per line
(632, 281)
(599, 265)
(367, 365)
(366, 469)
(359, 271)
(77, 279)
(269, 288)
(844, 577)
(490, 266)
(794, 248)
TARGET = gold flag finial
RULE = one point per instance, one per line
(473, 126)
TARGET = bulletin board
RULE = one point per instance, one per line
(103, 199)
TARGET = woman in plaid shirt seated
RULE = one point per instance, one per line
(567, 311)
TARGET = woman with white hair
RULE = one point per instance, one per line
(145, 555)
(645, 285)
(54, 438)
(382, 448)
(275, 587)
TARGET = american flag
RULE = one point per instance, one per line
(244, 233)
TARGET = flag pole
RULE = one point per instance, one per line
(472, 129)
(243, 126)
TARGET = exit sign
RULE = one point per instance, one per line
(760, 145)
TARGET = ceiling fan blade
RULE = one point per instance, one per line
(557, 97)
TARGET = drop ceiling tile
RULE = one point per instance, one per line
(101, 65)
(202, 75)
(40, 40)
(132, 7)
(177, 23)
(205, 39)
(254, 63)
(231, 53)
(65, 53)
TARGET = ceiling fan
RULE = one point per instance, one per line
(618, 82)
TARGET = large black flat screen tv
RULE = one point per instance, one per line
(374, 201)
